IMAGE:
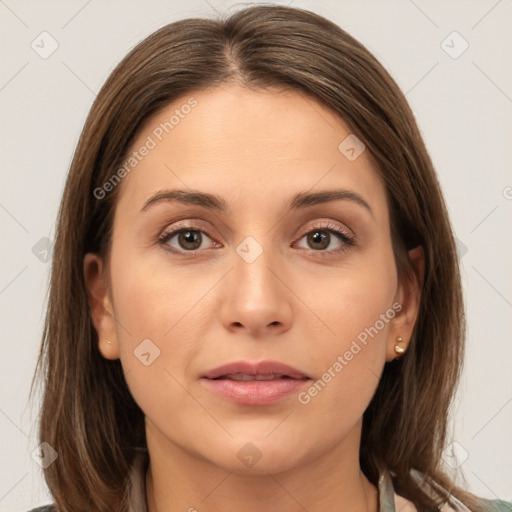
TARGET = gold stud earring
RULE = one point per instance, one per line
(398, 349)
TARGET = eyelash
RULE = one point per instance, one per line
(346, 239)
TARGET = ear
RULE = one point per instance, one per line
(100, 305)
(409, 297)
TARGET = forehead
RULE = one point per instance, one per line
(250, 146)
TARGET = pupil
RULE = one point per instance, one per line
(320, 237)
(190, 237)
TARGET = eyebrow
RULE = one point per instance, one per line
(213, 202)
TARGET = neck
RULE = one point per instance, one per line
(177, 480)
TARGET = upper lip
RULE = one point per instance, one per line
(260, 368)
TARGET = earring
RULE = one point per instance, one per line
(109, 342)
(398, 349)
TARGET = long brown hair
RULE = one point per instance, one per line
(88, 414)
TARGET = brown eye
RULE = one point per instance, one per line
(185, 240)
(328, 239)
(319, 240)
(190, 240)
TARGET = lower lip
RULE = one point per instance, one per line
(255, 392)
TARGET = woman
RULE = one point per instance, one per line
(255, 298)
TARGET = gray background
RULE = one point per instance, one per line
(463, 106)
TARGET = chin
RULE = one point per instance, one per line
(256, 456)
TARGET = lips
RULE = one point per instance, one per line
(246, 377)
(262, 371)
(255, 384)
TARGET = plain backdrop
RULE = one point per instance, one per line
(451, 59)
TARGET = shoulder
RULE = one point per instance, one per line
(389, 498)
(45, 508)
(403, 505)
(481, 504)
(497, 505)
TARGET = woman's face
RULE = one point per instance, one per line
(285, 257)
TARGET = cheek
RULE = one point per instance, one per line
(161, 324)
(352, 300)
(153, 297)
(355, 307)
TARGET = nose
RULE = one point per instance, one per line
(257, 297)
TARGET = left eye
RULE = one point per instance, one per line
(320, 239)
(187, 239)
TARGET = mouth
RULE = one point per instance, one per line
(257, 377)
(263, 370)
(248, 383)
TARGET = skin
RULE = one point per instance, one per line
(296, 303)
